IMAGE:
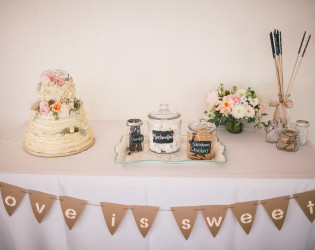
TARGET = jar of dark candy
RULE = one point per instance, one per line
(134, 135)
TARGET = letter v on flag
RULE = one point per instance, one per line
(41, 203)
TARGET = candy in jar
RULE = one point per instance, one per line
(289, 140)
(164, 130)
(134, 135)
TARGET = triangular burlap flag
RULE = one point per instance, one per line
(40, 202)
(185, 218)
(277, 208)
(71, 209)
(113, 215)
(11, 196)
(214, 216)
(245, 212)
(306, 201)
(144, 217)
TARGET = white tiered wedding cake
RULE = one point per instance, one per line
(58, 125)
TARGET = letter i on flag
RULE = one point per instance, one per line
(11, 196)
(113, 215)
(40, 202)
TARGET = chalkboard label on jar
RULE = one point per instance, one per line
(163, 136)
(200, 147)
(137, 139)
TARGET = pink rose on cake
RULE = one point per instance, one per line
(47, 74)
(58, 80)
(56, 107)
(44, 108)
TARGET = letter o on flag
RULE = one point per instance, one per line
(10, 201)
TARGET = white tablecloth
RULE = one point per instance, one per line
(255, 170)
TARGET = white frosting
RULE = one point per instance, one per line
(51, 91)
(44, 137)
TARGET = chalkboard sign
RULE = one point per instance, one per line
(137, 139)
(163, 136)
(200, 147)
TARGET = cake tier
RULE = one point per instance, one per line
(49, 91)
(48, 137)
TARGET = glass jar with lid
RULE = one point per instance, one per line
(134, 135)
(289, 140)
(164, 130)
(302, 126)
(201, 140)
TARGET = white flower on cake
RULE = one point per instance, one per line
(250, 112)
(238, 111)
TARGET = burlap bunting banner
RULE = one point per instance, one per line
(245, 212)
(40, 202)
(306, 201)
(214, 216)
(11, 196)
(71, 209)
(113, 215)
(144, 217)
(277, 208)
(185, 218)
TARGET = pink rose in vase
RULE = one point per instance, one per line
(236, 98)
(58, 80)
(44, 108)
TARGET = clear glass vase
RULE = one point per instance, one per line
(235, 126)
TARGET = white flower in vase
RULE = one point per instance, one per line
(238, 111)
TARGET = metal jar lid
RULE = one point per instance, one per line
(164, 113)
(134, 122)
(202, 126)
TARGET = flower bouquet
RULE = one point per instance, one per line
(234, 107)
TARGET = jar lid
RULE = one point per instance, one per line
(164, 113)
(291, 132)
(302, 123)
(134, 122)
(202, 126)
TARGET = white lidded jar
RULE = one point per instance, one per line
(164, 130)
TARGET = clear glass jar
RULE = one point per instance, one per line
(272, 133)
(201, 140)
(289, 140)
(302, 126)
(164, 130)
(134, 135)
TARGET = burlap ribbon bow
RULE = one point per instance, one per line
(280, 110)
